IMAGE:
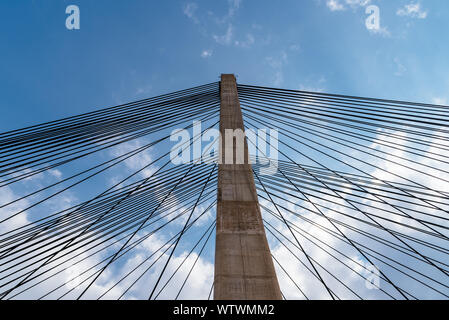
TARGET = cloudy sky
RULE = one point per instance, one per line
(130, 50)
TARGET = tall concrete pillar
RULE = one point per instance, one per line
(244, 267)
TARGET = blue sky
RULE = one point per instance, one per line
(130, 50)
(135, 49)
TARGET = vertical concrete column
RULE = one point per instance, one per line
(244, 267)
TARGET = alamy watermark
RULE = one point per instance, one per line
(373, 20)
(372, 281)
(73, 276)
(262, 146)
(72, 22)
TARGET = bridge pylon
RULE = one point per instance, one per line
(244, 268)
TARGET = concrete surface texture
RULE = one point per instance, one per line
(244, 267)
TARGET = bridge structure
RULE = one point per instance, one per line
(110, 204)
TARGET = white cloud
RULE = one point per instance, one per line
(412, 10)
(358, 3)
(144, 90)
(383, 31)
(314, 86)
(225, 39)
(335, 5)
(340, 5)
(229, 36)
(248, 42)
(308, 283)
(307, 235)
(234, 5)
(310, 89)
(400, 68)
(55, 173)
(294, 47)
(137, 161)
(206, 54)
(6, 196)
(190, 11)
(440, 101)
(197, 287)
(277, 63)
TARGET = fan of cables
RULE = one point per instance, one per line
(132, 224)
(92, 207)
(360, 197)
